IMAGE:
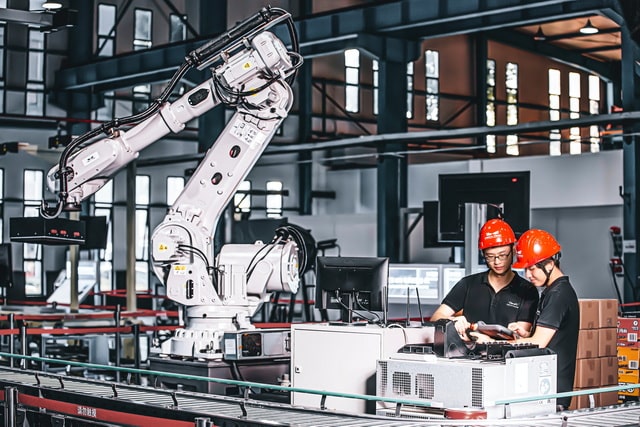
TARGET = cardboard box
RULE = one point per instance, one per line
(589, 313)
(607, 342)
(583, 401)
(587, 344)
(628, 358)
(608, 371)
(587, 373)
(607, 313)
(607, 398)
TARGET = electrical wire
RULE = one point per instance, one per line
(366, 309)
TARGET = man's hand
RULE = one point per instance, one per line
(519, 330)
(462, 325)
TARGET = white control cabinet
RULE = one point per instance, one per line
(344, 359)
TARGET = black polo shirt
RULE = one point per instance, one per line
(474, 295)
(559, 310)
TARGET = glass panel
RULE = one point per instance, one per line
(351, 93)
(142, 234)
(432, 86)
(491, 114)
(490, 141)
(512, 114)
(575, 144)
(33, 188)
(555, 148)
(142, 24)
(432, 67)
(242, 201)
(106, 18)
(574, 85)
(352, 75)
(33, 277)
(594, 88)
(106, 46)
(105, 194)
(554, 102)
(175, 185)
(274, 201)
(106, 276)
(142, 276)
(423, 280)
(594, 106)
(178, 29)
(142, 189)
(432, 107)
(554, 115)
(374, 68)
(491, 72)
(36, 66)
(352, 58)
(511, 80)
(512, 145)
(554, 82)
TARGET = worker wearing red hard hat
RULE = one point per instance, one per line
(558, 318)
(496, 296)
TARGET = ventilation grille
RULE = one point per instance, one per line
(425, 386)
(477, 398)
(401, 383)
(382, 377)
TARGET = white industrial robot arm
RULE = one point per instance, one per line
(252, 71)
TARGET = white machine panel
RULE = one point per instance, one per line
(459, 383)
(343, 359)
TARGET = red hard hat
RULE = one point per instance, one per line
(495, 232)
(535, 246)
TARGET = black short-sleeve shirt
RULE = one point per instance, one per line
(516, 302)
(559, 310)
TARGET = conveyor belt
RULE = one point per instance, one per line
(63, 394)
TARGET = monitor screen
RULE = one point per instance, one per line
(6, 266)
(508, 190)
(351, 283)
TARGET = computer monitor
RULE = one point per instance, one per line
(351, 284)
(507, 190)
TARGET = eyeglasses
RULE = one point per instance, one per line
(499, 257)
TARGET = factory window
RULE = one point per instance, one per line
(106, 30)
(490, 140)
(575, 144)
(35, 74)
(511, 83)
(594, 108)
(143, 196)
(376, 85)
(274, 199)
(352, 80)
(32, 194)
(141, 98)
(178, 30)
(242, 201)
(555, 143)
(432, 84)
(106, 112)
(175, 185)
(103, 206)
(2, 55)
(142, 29)
(410, 90)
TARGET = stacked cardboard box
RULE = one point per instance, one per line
(596, 364)
(628, 356)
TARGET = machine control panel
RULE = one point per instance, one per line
(257, 344)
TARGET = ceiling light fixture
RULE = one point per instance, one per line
(589, 28)
(51, 5)
(539, 35)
